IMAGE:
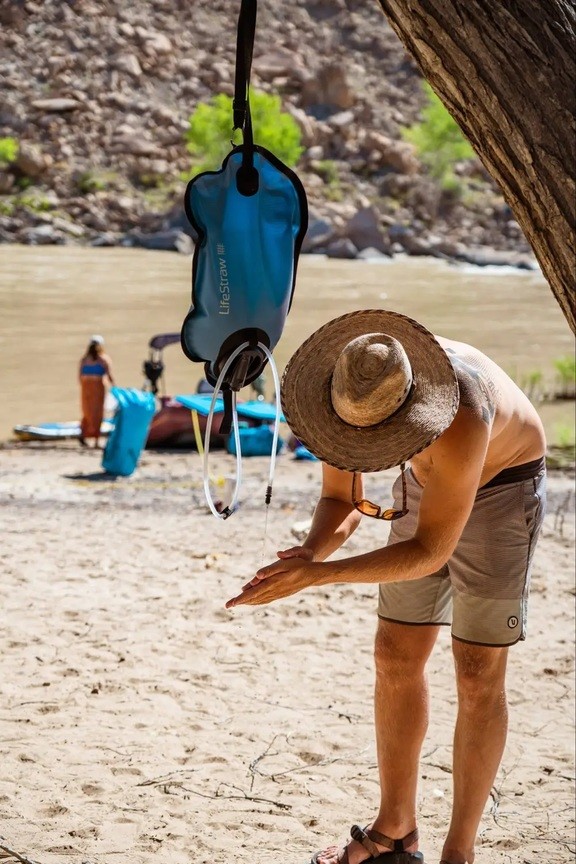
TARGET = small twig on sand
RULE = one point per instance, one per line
(6, 853)
(165, 778)
(254, 763)
(495, 806)
(243, 796)
(255, 770)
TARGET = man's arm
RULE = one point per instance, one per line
(335, 518)
(447, 500)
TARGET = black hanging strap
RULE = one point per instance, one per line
(247, 176)
(244, 48)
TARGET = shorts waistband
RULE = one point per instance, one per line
(517, 473)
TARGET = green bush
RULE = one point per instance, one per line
(566, 375)
(8, 150)
(327, 170)
(7, 205)
(531, 384)
(564, 436)
(88, 182)
(438, 140)
(210, 130)
(35, 202)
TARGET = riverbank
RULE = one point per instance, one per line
(142, 721)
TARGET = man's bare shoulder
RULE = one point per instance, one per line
(479, 390)
(469, 430)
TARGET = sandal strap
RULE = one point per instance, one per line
(397, 845)
(369, 837)
(362, 836)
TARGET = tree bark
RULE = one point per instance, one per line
(506, 71)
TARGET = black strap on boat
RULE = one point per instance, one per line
(247, 176)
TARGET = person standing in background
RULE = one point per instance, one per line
(95, 366)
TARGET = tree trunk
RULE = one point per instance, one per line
(506, 72)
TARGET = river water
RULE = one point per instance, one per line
(53, 298)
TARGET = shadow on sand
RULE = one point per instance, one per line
(94, 477)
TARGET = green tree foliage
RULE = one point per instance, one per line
(210, 130)
(438, 140)
(8, 150)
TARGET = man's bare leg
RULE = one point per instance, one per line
(401, 719)
(479, 740)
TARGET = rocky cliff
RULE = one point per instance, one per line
(98, 94)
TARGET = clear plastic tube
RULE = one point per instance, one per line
(236, 430)
(230, 508)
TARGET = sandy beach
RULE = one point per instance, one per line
(143, 723)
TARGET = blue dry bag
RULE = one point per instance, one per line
(251, 217)
(131, 424)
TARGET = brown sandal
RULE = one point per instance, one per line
(368, 837)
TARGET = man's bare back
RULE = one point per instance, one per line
(516, 431)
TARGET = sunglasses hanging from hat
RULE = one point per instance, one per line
(368, 508)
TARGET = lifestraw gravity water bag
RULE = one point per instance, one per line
(251, 217)
(244, 264)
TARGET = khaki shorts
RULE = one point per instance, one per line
(482, 591)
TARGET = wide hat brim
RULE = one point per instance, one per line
(426, 413)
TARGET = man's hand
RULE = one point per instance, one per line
(290, 574)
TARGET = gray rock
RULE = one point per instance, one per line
(364, 231)
(56, 105)
(31, 161)
(171, 240)
(328, 88)
(108, 238)
(42, 235)
(319, 234)
(342, 248)
(486, 257)
(6, 182)
(369, 254)
(129, 63)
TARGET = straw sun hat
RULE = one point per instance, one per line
(369, 390)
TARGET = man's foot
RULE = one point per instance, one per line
(366, 848)
(82, 441)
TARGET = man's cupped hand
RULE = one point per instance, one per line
(292, 572)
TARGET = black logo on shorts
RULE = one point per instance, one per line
(512, 622)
